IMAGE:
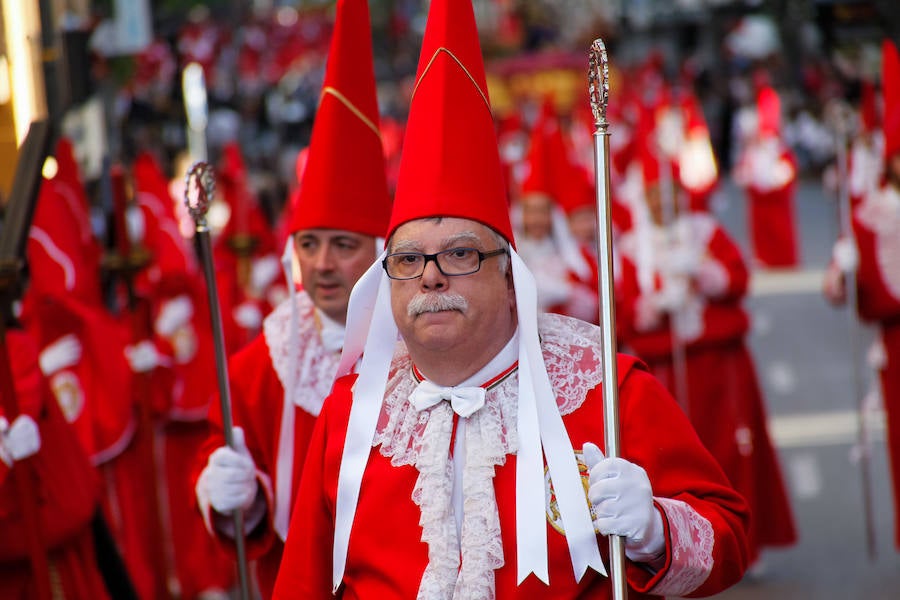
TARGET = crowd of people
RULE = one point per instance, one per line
(405, 429)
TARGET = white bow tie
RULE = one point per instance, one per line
(464, 400)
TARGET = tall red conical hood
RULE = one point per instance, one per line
(451, 164)
(344, 185)
(868, 107)
(768, 111)
(890, 85)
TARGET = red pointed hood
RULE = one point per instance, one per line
(890, 83)
(451, 164)
(344, 185)
(768, 110)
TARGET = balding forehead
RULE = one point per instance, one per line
(475, 234)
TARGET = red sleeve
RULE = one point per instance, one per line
(875, 303)
(723, 249)
(656, 435)
(248, 374)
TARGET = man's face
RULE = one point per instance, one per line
(537, 219)
(331, 260)
(482, 317)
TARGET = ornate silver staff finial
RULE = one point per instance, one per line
(199, 190)
(598, 82)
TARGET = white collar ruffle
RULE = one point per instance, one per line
(572, 353)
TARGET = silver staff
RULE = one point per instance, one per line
(841, 117)
(598, 87)
(200, 185)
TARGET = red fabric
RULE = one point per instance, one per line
(94, 393)
(199, 561)
(773, 226)
(450, 165)
(376, 569)
(257, 397)
(66, 485)
(724, 402)
(726, 408)
(346, 137)
(890, 84)
(868, 109)
(877, 304)
(247, 218)
(768, 112)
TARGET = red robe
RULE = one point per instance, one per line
(704, 517)
(64, 481)
(259, 374)
(724, 401)
(876, 225)
(768, 171)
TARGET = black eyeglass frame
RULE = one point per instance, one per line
(433, 257)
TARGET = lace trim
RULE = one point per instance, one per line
(408, 437)
(314, 366)
(692, 539)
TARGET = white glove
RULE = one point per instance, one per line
(64, 352)
(622, 500)
(647, 314)
(673, 295)
(845, 255)
(229, 478)
(680, 260)
(142, 357)
(248, 315)
(21, 439)
(712, 278)
(173, 315)
(264, 272)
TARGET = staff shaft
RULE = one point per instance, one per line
(206, 259)
(845, 218)
(599, 91)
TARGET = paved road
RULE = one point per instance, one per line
(801, 349)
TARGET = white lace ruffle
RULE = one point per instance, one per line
(423, 439)
(315, 367)
(692, 538)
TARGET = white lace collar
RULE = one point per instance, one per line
(314, 366)
(571, 351)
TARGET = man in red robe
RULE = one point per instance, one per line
(875, 257)
(280, 380)
(425, 477)
(38, 447)
(767, 169)
(681, 304)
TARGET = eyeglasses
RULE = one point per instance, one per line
(452, 262)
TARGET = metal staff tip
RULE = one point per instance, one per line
(199, 190)
(598, 82)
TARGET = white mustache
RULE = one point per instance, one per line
(436, 302)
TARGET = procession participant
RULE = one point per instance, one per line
(683, 293)
(179, 352)
(38, 445)
(874, 260)
(281, 379)
(767, 170)
(404, 495)
(565, 272)
(83, 355)
(246, 258)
